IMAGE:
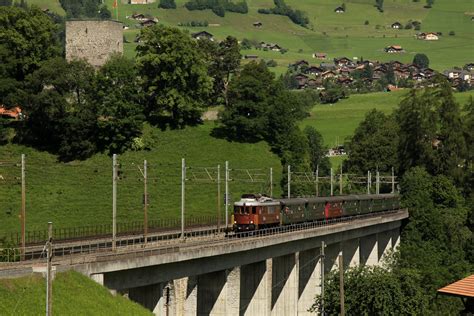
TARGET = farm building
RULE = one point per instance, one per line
(203, 35)
(320, 55)
(396, 25)
(257, 24)
(339, 10)
(394, 49)
(148, 22)
(428, 36)
(140, 1)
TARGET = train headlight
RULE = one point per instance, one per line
(251, 222)
(235, 222)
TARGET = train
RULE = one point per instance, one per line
(254, 211)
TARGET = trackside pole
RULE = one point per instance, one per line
(289, 181)
(322, 276)
(271, 182)
(226, 195)
(23, 207)
(49, 280)
(332, 183)
(183, 180)
(114, 201)
(218, 197)
(145, 202)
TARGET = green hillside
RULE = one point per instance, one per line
(338, 121)
(73, 294)
(335, 34)
(80, 193)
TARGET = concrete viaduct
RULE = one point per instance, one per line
(277, 274)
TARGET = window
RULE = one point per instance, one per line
(271, 209)
(254, 210)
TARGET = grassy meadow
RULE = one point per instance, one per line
(335, 34)
(338, 121)
(74, 294)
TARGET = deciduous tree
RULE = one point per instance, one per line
(175, 80)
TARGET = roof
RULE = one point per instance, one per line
(463, 288)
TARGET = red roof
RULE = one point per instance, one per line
(13, 113)
(463, 288)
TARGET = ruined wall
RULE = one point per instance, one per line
(93, 41)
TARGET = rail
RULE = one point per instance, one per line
(105, 230)
(133, 247)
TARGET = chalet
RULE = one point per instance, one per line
(401, 73)
(396, 25)
(428, 36)
(257, 24)
(344, 71)
(418, 76)
(344, 81)
(315, 83)
(469, 66)
(300, 63)
(328, 74)
(270, 46)
(14, 113)
(203, 35)
(452, 73)
(139, 17)
(320, 55)
(314, 70)
(141, 1)
(148, 23)
(328, 66)
(413, 68)
(342, 61)
(339, 10)
(394, 49)
(250, 56)
(395, 64)
(302, 80)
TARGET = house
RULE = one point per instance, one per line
(428, 36)
(257, 24)
(302, 80)
(395, 64)
(314, 70)
(328, 66)
(418, 76)
(396, 25)
(342, 61)
(250, 56)
(469, 66)
(394, 49)
(315, 83)
(203, 35)
(401, 73)
(141, 1)
(339, 10)
(452, 73)
(148, 22)
(344, 81)
(300, 63)
(14, 113)
(320, 55)
(139, 17)
(274, 47)
(328, 74)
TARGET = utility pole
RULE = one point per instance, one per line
(145, 202)
(340, 181)
(322, 276)
(289, 181)
(226, 195)
(23, 207)
(317, 180)
(332, 184)
(368, 182)
(183, 180)
(341, 285)
(377, 184)
(393, 181)
(49, 280)
(271, 182)
(218, 197)
(114, 201)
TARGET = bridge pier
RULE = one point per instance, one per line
(351, 253)
(368, 250)
(186, 295)
(255, 289)
(150, 297)
(284, 285)
(384, 244)
(309, 284)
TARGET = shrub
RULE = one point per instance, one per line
(452, 33)
(167, 4)
(366, 22)
(271, 63)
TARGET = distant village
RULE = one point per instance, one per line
(345, 72)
